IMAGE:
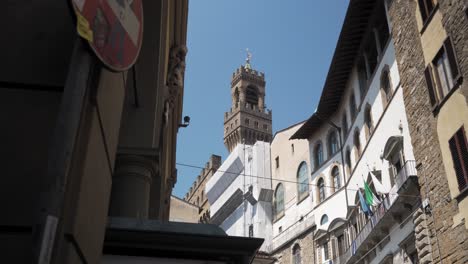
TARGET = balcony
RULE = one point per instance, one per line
(395, 207)
(291, 233)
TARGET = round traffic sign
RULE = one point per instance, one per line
(113, 29)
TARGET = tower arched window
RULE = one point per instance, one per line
(336, 178)
(321, 189)
(302, 180)
(352, 106)
(332, 143)
(297, 254)
(385, 85)
(252, 95)
(236, 97)
(357, 144)
(318, 155)
(279, 200)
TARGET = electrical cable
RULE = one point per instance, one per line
(283, 180)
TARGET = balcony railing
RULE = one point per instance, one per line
(291, 233)
(408, 170)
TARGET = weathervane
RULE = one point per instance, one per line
(249, 57)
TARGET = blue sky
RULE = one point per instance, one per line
(292, 42)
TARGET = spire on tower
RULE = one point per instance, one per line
(247, 60)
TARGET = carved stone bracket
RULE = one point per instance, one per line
(175, 78)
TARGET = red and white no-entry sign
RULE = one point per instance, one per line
(113, 28)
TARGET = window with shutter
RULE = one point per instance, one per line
(442, 74)
(452, 59)
(459, 150)
(430, 85)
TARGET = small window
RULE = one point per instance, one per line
(324, 219)
(232, 125)
(297, 254)
(345, 124)
(292, 148)
(352, 106)
(459, 151)
(336, 178)
(280, 229)
(247, 121)
(442, 74)
(369, 126)
(332, 143)
(326, 253)
(357, 144)
(279, 200)
(302, 180)
(256, 124)
(318, 155)
(321, 189)
(235, 122)
(265, 126)
(251, 231)
(348, 158)
(277, 161)
(426, 7)
(386, 85)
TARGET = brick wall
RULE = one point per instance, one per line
(446, 241)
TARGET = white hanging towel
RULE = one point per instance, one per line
(379, 187)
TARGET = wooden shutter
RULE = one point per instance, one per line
(458, 149)
(448, 45)
(422, 9)
(430, 85)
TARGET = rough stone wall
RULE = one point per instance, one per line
(305, 241)
(447, 243)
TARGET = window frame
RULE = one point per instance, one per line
(318, 159)
(462, 172)
(436, 96)
(336, 178)
(331, 135)
(321, 190)
(302, 180)
(279, 214)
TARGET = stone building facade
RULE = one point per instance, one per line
(248, 120)
(197, 195)
(431, 36)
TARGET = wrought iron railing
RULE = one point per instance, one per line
(408, 170)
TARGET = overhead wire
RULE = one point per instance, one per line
(284, 180)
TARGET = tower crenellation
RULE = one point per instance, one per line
(248, 120)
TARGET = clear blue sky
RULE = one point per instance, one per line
(292, 42)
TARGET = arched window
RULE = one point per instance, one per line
(352, 106)
(318, 155)
(385, 85)
(348, 159)
(369, 126)
(345, 124)
(252, 95)
(357, 144)
(236, 97)
(336, 178)
(279, 200)
(332, 143)
(302, 180)
(321, 189)
(296, 254)
(324, 219)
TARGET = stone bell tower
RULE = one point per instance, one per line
(248, 120)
